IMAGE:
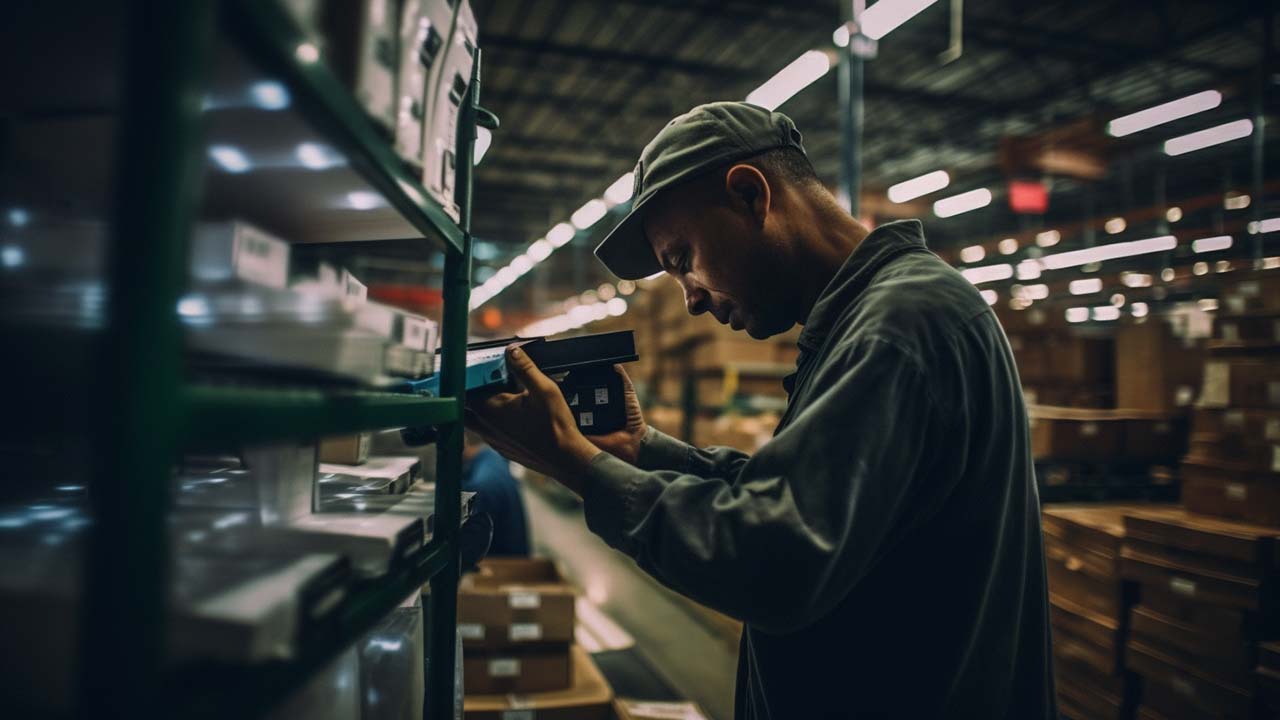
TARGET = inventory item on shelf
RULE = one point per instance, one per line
(345, 449)
(392, 474)
(515, 670)
(1133, 436)
(447, 78)
(588, 697)
(376, 543)
(515, 601)
(392, 665)
(1156, 370)
(235, 250)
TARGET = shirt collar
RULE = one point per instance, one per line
(877, 248)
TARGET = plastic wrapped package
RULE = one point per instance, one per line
(392, 672)
(332, 694)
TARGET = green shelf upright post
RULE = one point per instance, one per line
(123, 598)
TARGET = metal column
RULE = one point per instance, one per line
(849, 78)
(158, 151)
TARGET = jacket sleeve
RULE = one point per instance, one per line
(779, 538)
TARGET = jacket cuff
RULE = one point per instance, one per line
(659, 451)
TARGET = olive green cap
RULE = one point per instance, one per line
(706, 137)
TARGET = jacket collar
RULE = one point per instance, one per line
(877, 248)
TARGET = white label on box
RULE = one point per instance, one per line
(526, 631)
(1233, 419)
(664, 711)
(586, 419)
(524, 599)
(354, 293)
(1250, 288)
(414, 335)
(1217, 385)
(1184, 395)
(260, 258)
(504, 667)
(1162, 427)
(1235, 303)
(517, 714)
(1273, 392)
(1236, 491)
(1182, 586)
(1089, 429)
(522, 703)
(1272, 431)
(471, 631)
(602, 396)
(328, 276)
(1230, 332)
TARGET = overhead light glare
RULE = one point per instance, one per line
(1165, 112)
(990, 296)
(589, 214)
(1115, 226)
(793, 78)
(1028, 269)
(972, 254)
(229, 158)
(962, 203)
(1135, 280)
(1008, 246)
(484, 138)
(1105, 313)
(988, 273)
(1211, 244)
(1077, 314)
(269, 95)
(1048, 238)
(1208, 137)
(540, 250)
(1085, 286)
(1112, 251)
(1139, 309)
(560, 234)
(621, 189)
(885, 16)
(918, 186)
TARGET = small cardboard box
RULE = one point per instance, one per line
(1074, 434)
(345, 449)
(1239, 382)
(1230, 491)
(531, 669)
(512, 602)
(588, 697)
(627, 709)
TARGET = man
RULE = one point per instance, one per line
(883, 549)
(487, 474)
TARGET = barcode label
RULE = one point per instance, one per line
(415, 332)
(260, 258)
(524, 599)
(1236, 491)
(354, 292)
(504, 667)
(526, 631)
(1182, 586)
(602, 396)
(586, 419)
(471, 631)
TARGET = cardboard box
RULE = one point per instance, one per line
(346, 449)
(716, 353)
(1241, 383)
(1082, 697)
(515, 601)
(627, 709)
(1230, 491)
(1251, 291)
(1082, 555)
(1193, 645)
(1156, 370)
(1250, 328)
(1084, 636)
(360, 45)
(1249, 438)
(1169, 683)
(529, 669)
(1074, 434)
(588, 697)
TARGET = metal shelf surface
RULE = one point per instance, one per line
(216, 414)
(272, 39)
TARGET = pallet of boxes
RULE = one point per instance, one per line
(1202, 635)
(516, 619)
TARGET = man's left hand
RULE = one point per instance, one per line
(535, 426)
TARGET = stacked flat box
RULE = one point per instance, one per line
(516, 619)
(1128, 436)
(1207, 598)
(1268, 671)
(1088, 608)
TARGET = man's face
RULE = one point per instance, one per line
(724, 259)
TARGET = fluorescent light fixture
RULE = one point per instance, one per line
(990, 296)
(229, 158)
(1112, 251)
(1048, 238)
(307, 53)
(1211, 244)
(560, 234)
(1139, 309)
(791, 79)
(540, 250)
(1105, 313)
(589, 214)
(269, 95)
(1118, 299)
(885, 16)
(588, 297)
(621, 189)
(1270, 263)
(364, 200)
(1200, 268)
(1269, 225)
(1008, 246)
(1165, 112)
(1167, 275)
(988, 273)
(1039, 291)
(1115, 226)
(1222, 266)
(841, 36)
(18, 217)
(616, 306)
(1208, 137)
(915, 187)
(484, 138)
(1173, 214)
(626, 287)
(12, 256)
(315, 156)
(505, 276)
(1077, 314)
(1135, 280)
(972, 254)
(606, 291)
(1028, 270)
(521, 264)
(193, 306)
(962, 203)
(1235, 201)
(1085, 286)
(1208, 304)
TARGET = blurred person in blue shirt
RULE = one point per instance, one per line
(488, 474)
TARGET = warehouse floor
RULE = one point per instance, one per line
(688, 648)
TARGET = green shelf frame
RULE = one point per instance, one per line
(272, 38)
(228, 415)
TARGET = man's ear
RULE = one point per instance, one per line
(748, 191)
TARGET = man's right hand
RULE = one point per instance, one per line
(624, 444)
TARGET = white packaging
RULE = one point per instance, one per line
(373, 542)
(238, 251)
(446, 85)
(420, 40)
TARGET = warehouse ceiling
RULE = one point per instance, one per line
(581, 86)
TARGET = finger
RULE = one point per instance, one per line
(626, 379)
(522, 367)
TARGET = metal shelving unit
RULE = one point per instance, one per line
(153, 413)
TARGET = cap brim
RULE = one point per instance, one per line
(626, 252)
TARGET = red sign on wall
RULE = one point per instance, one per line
(1028, 197)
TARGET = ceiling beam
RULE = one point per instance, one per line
(652, 63)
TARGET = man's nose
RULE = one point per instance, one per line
(696, 300)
